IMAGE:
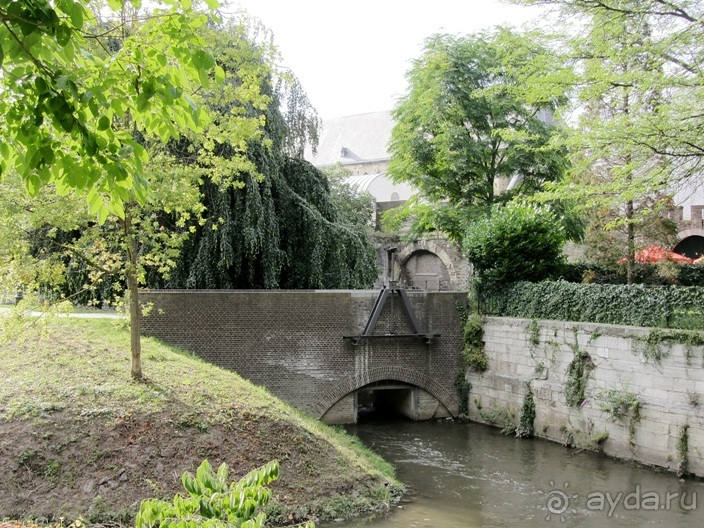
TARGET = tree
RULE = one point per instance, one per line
(282, 227)
(468, 124)
(638, 87)
(518, 242)
(354, 207)
(120, 231)
(71, 113)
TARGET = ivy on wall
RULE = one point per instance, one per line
(623, 304)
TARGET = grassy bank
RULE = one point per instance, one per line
(79, 438)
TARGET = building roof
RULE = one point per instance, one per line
(353, 139)
(362, 182)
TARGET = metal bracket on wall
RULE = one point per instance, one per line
(385, 294)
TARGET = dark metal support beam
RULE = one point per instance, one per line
(379, 304)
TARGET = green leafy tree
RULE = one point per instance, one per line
(469, 126)
(280, 231)
(518, 242)
(137, 231)
(72, 113)
(354, 207)
(638, 86)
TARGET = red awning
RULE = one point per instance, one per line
(656, 254)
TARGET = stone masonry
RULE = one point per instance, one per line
(670, 390)
(291, 342)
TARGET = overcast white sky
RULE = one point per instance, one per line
(351, 57)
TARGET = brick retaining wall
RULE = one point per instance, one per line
(291, 341)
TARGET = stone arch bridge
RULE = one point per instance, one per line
(309, 348)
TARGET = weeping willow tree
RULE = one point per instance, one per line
(279, 227)
(276, 224)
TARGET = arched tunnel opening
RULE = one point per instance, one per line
(384, 401)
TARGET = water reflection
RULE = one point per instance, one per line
(469, 475)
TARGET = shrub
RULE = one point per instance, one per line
(517, 242)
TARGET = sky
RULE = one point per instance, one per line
(351, 57)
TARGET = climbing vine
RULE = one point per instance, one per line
(683, 449)
(533, 333)
(578, 372)
(525, 427)
(651, 346)
(625, 304)
(473, 334)
(616, 403)
(463, 387)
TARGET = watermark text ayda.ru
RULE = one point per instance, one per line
(640, 500)
(560, 503)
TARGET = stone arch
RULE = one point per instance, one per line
(342, 387)
(691, 242)
(692, 231)
(432, 247)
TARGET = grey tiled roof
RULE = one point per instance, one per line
(362, 137)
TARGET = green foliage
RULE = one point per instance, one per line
(280, 232)
(353, 207)
(463, 387)
(74, 115)
(663, 274)
(623, 304)
(517, 242)
(473, 334)
(652, 344)
(533, 333)
(467, 123)
(211, 502)
(578, 372)
(525, 427)
(637, 86)
(616, 403)
(683, 451)
(504, 416)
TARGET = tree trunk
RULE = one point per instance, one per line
(135, 323)
(133, 291)
(631, 242)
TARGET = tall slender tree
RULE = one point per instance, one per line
(636, 63)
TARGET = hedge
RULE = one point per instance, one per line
(623, 304)
(684, 274)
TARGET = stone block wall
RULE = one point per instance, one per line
(669, 389)
(291, 342)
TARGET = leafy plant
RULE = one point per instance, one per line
(525, 427)
(616, 403)
(578, 372)
(683, 449)
(652, 344)
(533, 333)
(462, 386)
(504, 416)
(212, 503)
(473, 334)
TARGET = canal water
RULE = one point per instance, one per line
(470, 475)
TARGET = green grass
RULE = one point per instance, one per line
(80, 368)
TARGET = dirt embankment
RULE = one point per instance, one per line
(79, 439)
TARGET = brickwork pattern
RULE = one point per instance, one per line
(671, 392)
(291, 341)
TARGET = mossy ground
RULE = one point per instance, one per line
(79, 438)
